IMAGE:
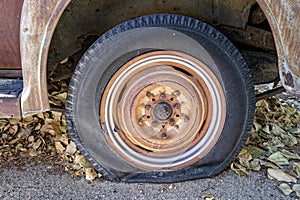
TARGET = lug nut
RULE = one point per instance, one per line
(163, 96)
(177, 106)
(164, 135)
(149, 94)
(148, 107)
(172, 122)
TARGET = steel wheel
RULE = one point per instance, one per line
(161, 110)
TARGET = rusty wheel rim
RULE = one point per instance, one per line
(163, 110)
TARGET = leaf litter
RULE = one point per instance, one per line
(44, 136)
(273, 143)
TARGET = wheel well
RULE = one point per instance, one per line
(84, 21)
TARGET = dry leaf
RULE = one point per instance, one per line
(60, 148)
(296, 167)
(289, 154)
(280, 175)
(90, 174)
(296, 188)
(208, 196)
(71, 148)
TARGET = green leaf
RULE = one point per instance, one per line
(289, 154)
(288, 139)
(285, 189)
(276, 143)
(255, 151)
(278, 159)
(255, 165)
(268, 164)
(277, 130)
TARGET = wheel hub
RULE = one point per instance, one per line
(162, 111)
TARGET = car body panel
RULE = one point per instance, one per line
(38, 22)
(284, 19)
(10, 15)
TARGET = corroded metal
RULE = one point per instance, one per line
(38, 22)
(10, 15)
(163, 110)
(10, 73)
(284, 19)
(10, 108)
(95, 17)
(251, 36)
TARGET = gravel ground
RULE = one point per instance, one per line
(33, 181)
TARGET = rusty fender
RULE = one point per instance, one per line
(284, 19)
(38, 21)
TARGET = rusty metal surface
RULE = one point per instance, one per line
(10, 108)
(95, 17)
(10, 73)
(38, 22)
(251, 36)
(284, 19)
(161, 107)
(10, 14)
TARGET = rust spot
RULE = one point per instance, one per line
(288, 79)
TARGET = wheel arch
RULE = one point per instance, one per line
(65, 41)
(38, 22)
(284, 20)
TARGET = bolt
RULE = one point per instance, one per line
(163, 96)
(116, 129)
(164, 135)
(148, 107)
(149, 94)
(172, 122)
(177, 106)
